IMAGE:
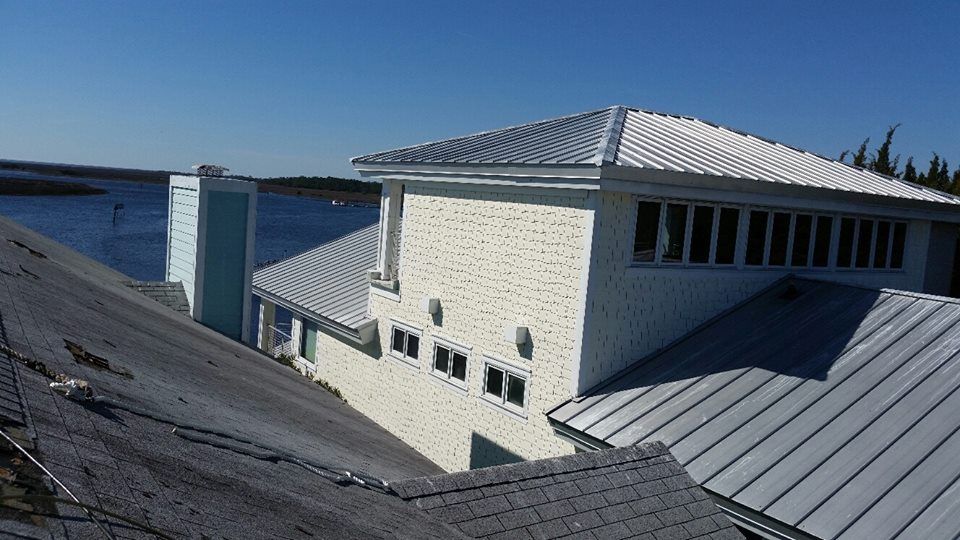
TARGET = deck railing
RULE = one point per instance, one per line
(279, 342)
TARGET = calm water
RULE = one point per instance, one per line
(136, 243)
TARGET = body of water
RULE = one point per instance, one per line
(136, 243)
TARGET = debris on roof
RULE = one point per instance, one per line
(630, 137)
(631, 492)
(188, 433)
(836, 417)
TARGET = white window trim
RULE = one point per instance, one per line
(446, 377)
(402, 358)
(502, 404)
(743, 232)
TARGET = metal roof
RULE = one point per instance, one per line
(837, 416)
(329, 280)
(632, 137)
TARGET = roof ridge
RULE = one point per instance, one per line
(610, 141)
(479, 133)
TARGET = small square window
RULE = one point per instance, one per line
(494, 383)
(450, 364)
(505, 387)
(405, 344)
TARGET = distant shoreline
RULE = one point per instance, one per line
(33, 188)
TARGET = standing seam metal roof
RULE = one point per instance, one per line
(328, 280)
(632, 137)
(836, 416)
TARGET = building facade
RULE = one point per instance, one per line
(516, 269)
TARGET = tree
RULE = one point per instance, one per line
(909, 171)
(860, 158)
(880, 162)
(943, 177)
(929, 178)
(955, 185)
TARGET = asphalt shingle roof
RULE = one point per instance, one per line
(190, 433)
(632, 492)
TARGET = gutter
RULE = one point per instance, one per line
(363, 334)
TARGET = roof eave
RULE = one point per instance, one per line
(361, 334)
(656, 182)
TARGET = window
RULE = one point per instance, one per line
(845, 252)
(802, 227)
(405, 343)
(899, 241)
(648, 223)
(505, 386)
(821, 245)
(701, 235)
(882, 245)
(674, 232)
(756, 237)
(864, 242)
(450, 364)
(727, 229)
(308, 341)
(779, 239)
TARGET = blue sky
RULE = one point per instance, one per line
(281, 88)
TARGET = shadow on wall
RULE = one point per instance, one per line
(486, 453)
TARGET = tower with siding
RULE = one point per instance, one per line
(210, 248)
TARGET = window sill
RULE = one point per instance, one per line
(310, 367)
(447, 383)
(509, 410)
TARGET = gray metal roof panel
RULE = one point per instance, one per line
(329, 280)
(633, 137)
(841, 429)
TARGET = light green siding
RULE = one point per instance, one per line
(225, 257)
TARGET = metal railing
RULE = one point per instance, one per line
(279, 343)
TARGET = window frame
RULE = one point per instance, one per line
(448, 378)
(508, 370)
(742, 235)
(303, 342)
(403, 358)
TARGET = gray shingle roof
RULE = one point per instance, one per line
(632, 137)
(168, 293)
(633, 492)
(190, 428)
(829, 408)
(329, 280)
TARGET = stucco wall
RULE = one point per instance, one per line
(491, 259)
(632, 312)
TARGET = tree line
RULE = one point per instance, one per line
(881, 160)
(329, 183)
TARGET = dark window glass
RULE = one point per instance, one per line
(441, 359)
(413, 346)
(398, 337)
(674, 229)
(845, 249)
(881, 245)
(645, 240)
(863, 243)
(899, 240)
(308, 342)
(756, 237)
(701, 234)
(459, 368)
(494, 381)
(515, 389)
(727, 235)
(821, 245)
(779, 238)
(802, 227)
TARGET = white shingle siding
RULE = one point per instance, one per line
(492, 259)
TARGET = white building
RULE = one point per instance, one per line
(516, 269)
